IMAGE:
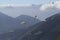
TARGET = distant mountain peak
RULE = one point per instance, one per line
(26, 18)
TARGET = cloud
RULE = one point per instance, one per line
(47, 10)
(57, 4)
(45, 6)
(16, 5)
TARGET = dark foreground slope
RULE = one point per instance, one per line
(48, 30)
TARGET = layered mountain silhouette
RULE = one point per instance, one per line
(8, 23)
(46, 30)
(31, 11)
(17, 11)
(16, 28)
(11, 28)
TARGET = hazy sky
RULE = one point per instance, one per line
(25, 1)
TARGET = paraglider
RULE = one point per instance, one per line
(52, 2)
(23, 22)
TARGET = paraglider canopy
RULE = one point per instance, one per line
(23, 22)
